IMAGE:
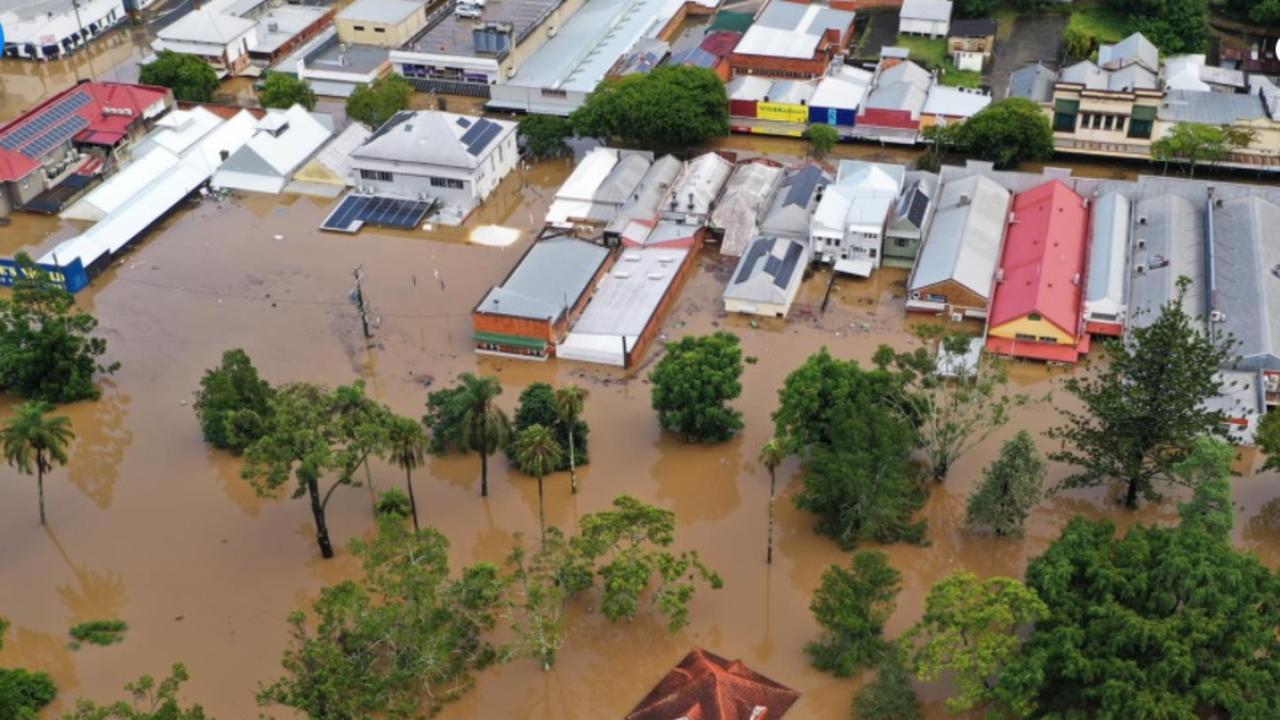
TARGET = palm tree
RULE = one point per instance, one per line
(569, 402)
(485, 427)
(538, 453)
(771, 456)
(33, 442)
(407, 447)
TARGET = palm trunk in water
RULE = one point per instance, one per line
(484, 474)
(773, 479)
(40, 484)
(542, 515)
(573, 470)
(413, 504)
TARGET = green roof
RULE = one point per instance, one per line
(514, 340)
(732, 21)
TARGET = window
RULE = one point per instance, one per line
(1046, 338)
(1024, 336)
(900, 242)
(936, 298)
(1140, 128)
(446, 183)
(358, 28)
(872, 252)
(379, 30)
(550, 92)
(1064, 122)
(375, 175)
(1034, 317)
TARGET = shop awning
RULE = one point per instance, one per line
(858, 266)
(511, 340)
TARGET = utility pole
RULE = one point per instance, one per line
(357, 296)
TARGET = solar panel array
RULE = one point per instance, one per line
(783, 276)
(356, 210)
(481, 133)
(758, 248)
(51, 127)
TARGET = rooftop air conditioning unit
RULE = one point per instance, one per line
(1142, 243)
(957, 317)
(964, 200)
(1140, 268)
(1217, 316)
(621, 274)
(1142, 219)
(656, 276)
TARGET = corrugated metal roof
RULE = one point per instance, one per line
(1246, 270)
(1211, 108)
(836, 92)
(934, 10)
(1034, 82)
(1134, 49)
(551, 276)
(769, 272)
(791, 92)
(901, 87)
(700, 184)
(623, 179)
(748, 87)
(647, 196)
(793, 205)
(429, 137)
(745, 197)
(792, 29)
(1108, 245)
(963, 242)
(1170, 230)
(380, 11)
(973, 27)
(954, 102)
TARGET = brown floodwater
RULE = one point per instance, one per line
(150, 525)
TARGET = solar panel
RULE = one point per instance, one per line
(486, 136)
(356, 210)
(802, 184)
(463, 122)
(783, 276)
(477, 127)
(758, 248)
(54, 137)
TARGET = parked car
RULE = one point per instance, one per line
(467, 10)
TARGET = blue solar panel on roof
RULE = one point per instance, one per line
(783, 277)
(771, 264)
(463, 122)
(482, 141)
(758, 248)
(802, 183)
(478, 127)
(356, 210)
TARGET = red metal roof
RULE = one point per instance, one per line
(1044, 259)
(103, 107)
(720, 43)
(705, 686)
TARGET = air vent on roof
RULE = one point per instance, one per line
(631, 257)
(1276, 271)
(1217, 316)
(622, 274)
(1140, 268)
(1142, 219)
(655, 275)
(1000, 275)
(1141, 244)
(1075, 279)
(964, 200)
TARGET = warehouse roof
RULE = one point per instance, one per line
(552, 275)
(792, 29)
(963, 242)
(1211, 108)
(1168, 244)
(381, 11)
(1110, 242)
(1246, 278)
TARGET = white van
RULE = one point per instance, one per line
(468, 10)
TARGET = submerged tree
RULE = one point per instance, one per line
(822, 138)
(540, 404)
(48, 350)
(148, 700)
(771, 456)
(1011, 486)
(407, 447)
(401, 642)
(570, 402)
(1207, 469)
(1007, 132)
(233, 404)
(34, 442)
(189, 77)
(281, 90)
(693, 382)
(678, 106)
(544, 135)
(537, 453)
(890, 696)
(23, 693)
(1192, 144)
(852, 605)
(1144, 406)
(378, 102)
(313, 432)
(485, 427)
(970, 628)
(446, 409)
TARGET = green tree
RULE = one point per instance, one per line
(375, 104)
(1077, 42)
(312, 432)
(190, 78)
(1145, 405)
(395, 503)
(1007, 132)
(407, 447)
(822, 138)
(539, 404)
(401, 642)
(1268, 440)
(852, 605)
(544, 135)
(1011, 486)
(939, 140)
(23, 693)
(233, 404)
(771, 456)
(970, 628)
(1174, 26)
(949, 415)
(283, 91)
(1161, 623)
(537, 453)
(976, 8)
(859, 479)
(1207, 469)
(693, 381)
(676, 107)
(540, 586)
(446, 409)
(148, 700)
(47, 347)
(890, 696)
(485, 427)
(1191, 144)
(33, 442)
(570, 402)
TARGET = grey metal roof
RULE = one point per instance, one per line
(1034, 82)
(1168, 240)
(1134, 49)
(793, 204)
(902, 87)
(1212, 108)
(381, 11)
(1246, 278)
(964, 239)
(647, 196)
(745, 197)
(769, 271)
(1107, 248)
(912, 208)
(622, 179)
(926, 9)
(551, 276)
(1129, 77)
(697, 189)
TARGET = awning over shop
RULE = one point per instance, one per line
(859, 266)
(511, 340)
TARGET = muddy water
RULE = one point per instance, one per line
(149, 525)
(115, 56)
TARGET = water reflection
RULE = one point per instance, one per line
(101, 439)
(94, 595)
(698, 482)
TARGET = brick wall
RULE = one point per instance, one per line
(654, 326)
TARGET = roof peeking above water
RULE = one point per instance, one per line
(707, 686)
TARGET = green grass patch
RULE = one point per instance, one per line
(959, 78)
(98, 632)
(926, 51)
(1102, 24)
(1005, 18)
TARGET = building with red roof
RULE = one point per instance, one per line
(70, 137)
(705, 686)
(1037, 308)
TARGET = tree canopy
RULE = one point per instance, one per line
(190, 78)
(1145, 405)
(692, 383)
(33, 442)
(890, 696)
(1174, 26)
(1007, 132)
(48, 349)
(23, 693)
(148, 700)
(281, 90)
(1011, 486)
(1160, 623)
(446, 409)
(1191, 144)
(538, 406)
(544, 135)
(851, 606)
(822, 138)
(233, 404)
(374, 104)
(671, 107)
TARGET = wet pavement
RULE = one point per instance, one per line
(150, 525)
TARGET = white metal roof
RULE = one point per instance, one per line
(860, 198)
(1108, 247)
(380, 11)
(935, 10)
(628, 296)
(116, 190)
(430, 137)
(749, 87)
(791, 30)
(700, 184)
(282, 143)
(837, 92)
(209, 26)
(954, 102)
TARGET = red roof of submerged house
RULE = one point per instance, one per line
(705, 686)
(91, 112)
(1044, 259)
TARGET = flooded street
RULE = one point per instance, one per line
(150, 525)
